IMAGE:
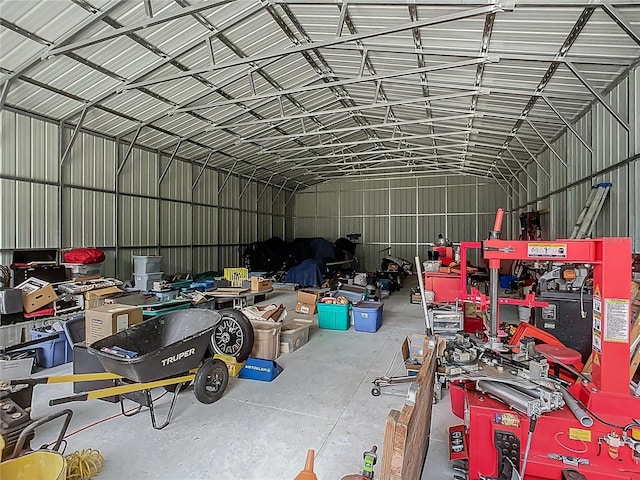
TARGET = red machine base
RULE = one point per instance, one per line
(495, 435)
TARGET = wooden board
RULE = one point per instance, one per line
(635, 353)
(406, 434)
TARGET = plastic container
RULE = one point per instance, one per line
(203, 285)
(295, 335)
(367, 316)
(353, 297)
(505, 281)
(144, 281)
(166, 296)
(333, 316)
(147, 263)
(266, 339)
(82, 270)
(431, 265)
(524, 313)
(52, 352)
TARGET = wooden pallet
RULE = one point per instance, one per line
(406, 433)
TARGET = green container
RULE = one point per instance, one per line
(333, 316)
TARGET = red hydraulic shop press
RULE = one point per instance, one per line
(520, 424)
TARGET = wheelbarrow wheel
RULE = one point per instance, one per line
(211, 381)
(232, 335)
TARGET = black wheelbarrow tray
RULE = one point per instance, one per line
(172, 350)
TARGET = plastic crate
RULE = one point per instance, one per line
(353, 297)
(295, 335)
(144, 281)
(333, 316)
(52, 352)
(166, 296)
(236, 276)
(81, 270)
(147, 263)
(367, 316)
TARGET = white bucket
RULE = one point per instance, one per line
(524, 313)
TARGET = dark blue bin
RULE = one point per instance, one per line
(52, 352)
(505, 281)
(367, 316)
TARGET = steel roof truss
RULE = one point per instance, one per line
(326, 43)
(596, 94)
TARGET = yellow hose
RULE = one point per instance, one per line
(84, 464)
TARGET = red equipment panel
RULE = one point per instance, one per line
(445, 286)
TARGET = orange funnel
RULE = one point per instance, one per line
(307, 473)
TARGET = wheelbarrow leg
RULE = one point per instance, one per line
(124, 412)
(152, 412)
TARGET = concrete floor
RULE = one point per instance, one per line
(261, 430)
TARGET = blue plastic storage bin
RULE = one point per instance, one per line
(505, 281)
(52, 352)
(367, 316)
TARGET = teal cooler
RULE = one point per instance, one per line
(333, 316)
(367, 316)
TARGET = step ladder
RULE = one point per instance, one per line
(591, 211)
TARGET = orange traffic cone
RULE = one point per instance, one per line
(307, 473)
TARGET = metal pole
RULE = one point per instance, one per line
(166, 169)
(202, 169)
(227, 178)
(74, 135)
(494, 341)
(129, 150)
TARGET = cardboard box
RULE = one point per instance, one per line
(36, 294)
(259, 284)
(96, 298)
(306, 301)
(413, 352)
(103, 321)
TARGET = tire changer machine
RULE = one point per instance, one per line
(520, 422)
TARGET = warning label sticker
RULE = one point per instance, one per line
(547, 250)
(597, 342)
(597, 305)
(616, 325)
(597, 323)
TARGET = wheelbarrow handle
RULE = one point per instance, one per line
(25, 433)
(80, 397)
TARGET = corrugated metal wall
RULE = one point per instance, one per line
(404, 215)
(615, 159)
(84, 204)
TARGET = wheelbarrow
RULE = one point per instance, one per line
(169, 351)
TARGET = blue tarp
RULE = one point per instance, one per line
(307, 274)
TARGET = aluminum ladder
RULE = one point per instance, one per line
(591, 211)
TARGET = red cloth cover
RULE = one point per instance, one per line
(84, 256)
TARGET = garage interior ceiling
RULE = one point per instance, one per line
(295, 93)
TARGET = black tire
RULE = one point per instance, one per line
(211, 381)
(232, 335)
